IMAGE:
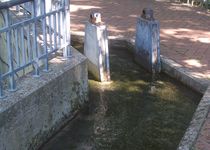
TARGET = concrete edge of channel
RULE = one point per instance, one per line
(41, 106)
(183, 75)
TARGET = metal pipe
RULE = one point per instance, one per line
(30, 56)
(67, 49)
(36, 63)
(45, 36)
(12, 85)
(55, 31)
(59, 29)
(23, 51)
(17, 48)
(50, 32)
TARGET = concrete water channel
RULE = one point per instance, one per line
(136, 111)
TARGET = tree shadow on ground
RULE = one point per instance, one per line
(185, 30)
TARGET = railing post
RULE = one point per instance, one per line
(43, 4)
(67, 39)
(55, 31)
(12, 85)
(36, 62)
(59, 26)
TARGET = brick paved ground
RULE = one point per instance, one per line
(203, 141)
(185, 30)
(185, 33)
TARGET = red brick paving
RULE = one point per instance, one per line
(185, 33)
(185, 30)
(203, 141)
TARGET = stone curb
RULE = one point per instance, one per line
(199, 117)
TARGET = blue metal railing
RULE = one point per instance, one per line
(32, 30)
(9, 3)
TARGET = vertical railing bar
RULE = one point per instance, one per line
(50, 31)
(38, 45)
(36, 61)
(29, 43)
(23, 46)
(55, 31)
(67, 50)
(63, 28)
(1, 86)
(68, 27)
(38, 42)
(59, 29)
(36, 26)
(57, 34)
(12, 85)
(64, 34)
(62, 23)
(17, 48)
(44, 24)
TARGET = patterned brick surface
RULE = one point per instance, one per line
(185, 30)
(203, 141)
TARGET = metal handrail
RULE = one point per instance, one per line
(27, 49)
(11, 3)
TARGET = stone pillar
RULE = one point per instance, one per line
(96, 48)
(147, 43)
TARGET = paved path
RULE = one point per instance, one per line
(185, 33)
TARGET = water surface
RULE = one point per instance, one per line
(137, 111)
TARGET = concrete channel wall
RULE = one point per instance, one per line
(40, 106)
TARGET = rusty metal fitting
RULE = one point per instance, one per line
(95, 18)
(147, 14)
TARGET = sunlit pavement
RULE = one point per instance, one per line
(185, 30)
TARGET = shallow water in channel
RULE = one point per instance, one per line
(137, 111)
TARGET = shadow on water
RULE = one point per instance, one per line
(135, 112)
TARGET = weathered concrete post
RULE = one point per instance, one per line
(96, 48)
(147, 43)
